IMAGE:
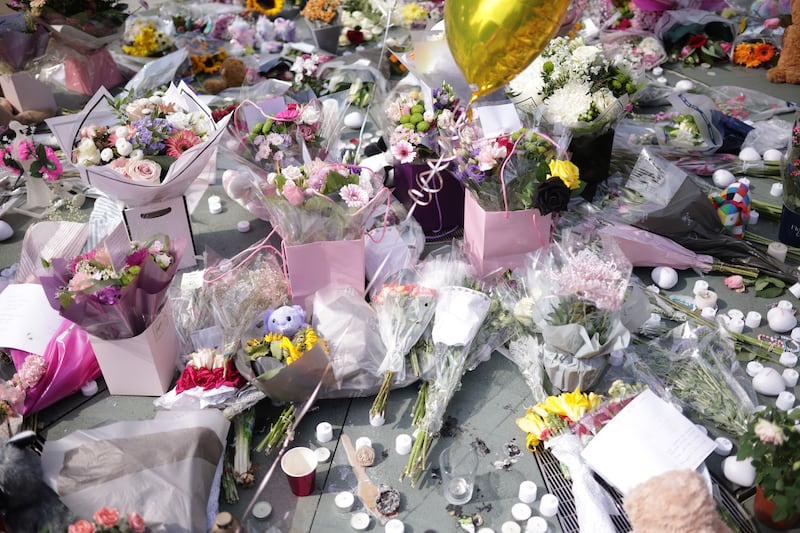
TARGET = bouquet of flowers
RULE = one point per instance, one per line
(416, 131)
(643, 49)
(581, 320)
(144, 37)
(114, 296)
(576, 85)
(322, 202)
(110, 519)
(755, 54)
(307, 69)
(516, 172)
(419, 15)
(361, 23)
(320, 12)
(140, 151)
(693, 36)
(27, 163)
(404, 311)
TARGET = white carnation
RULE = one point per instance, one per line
(566, 104)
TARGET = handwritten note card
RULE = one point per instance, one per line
(27, 322)
(647, 438)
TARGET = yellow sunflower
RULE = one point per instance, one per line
(268, 8)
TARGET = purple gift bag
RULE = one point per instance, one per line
(441, 214)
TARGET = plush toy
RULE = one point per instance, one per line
(788, 68)
(286, 320)
(675, 502)
(733, 207)
(27, 503)
(232, 74)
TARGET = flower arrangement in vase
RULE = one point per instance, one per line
(323, 20)
(27, 163)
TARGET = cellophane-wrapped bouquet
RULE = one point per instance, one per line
(114, 297)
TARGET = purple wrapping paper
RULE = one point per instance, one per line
(17, 47)
(444, 215)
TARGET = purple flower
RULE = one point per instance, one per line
(109, 295)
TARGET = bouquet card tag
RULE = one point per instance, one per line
(118, 246)
(192, 281)
(27, 320)
(497, 120)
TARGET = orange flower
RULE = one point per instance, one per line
(764, 52)
(743, 53)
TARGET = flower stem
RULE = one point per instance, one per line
(792, 253)
(379, 405)
(277, 432)
(418, 412)
(727, 268)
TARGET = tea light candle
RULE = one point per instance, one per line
(776, 189)
(705, 299)
(785, 400)
(549, 505)
(89, 388)
(536, 524)
(753, 319)
(376, 420)
(323, 454)
(795, 334)
(359, 521)
(708, 313)
(795, 290)
(521, 512)
(788, 359)
(262, 510)
(324, 432)
(402, 444)
(699, 286)
(735, 313)
(735, 325)
(790, 376)
(527, 491)
(724, 446)
(363, 441)
(745, 181)
(510, 527)
(344, 501)
(753, 368)
(394, 525)
(777, 250)
(243, 226)
(754, 216)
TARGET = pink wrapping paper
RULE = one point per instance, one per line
(70, 364)
(321, 264)
(85, 74)
(495, 240)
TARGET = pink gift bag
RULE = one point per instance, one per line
(86, 73)
(496, 240)
(317, 265)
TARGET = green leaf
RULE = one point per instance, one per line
(769, 292)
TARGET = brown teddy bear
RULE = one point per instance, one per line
(232, 74)
(788, 68)
(675, 502)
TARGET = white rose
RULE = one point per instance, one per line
(136, 154)
(107, 155)
(124, 148)
(143, 170)
(585, 54)
(428, 116)
(309, 115)
(87, 153)
(292, 173)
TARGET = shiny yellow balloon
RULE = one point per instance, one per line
(494, 40)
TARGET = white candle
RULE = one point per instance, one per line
(536, 524)
(527, 491)
(402, 444)
(359, 521)
(708, 313)
(776, 190)
(795, 290)
(777, 250)
(790, 376)
(324, 432)
(521, 512)
(785, 400)
(344, 501)
(753, 368)
(363, 441)
(510, 527)
(788, 359)
(753, 319)
(754, 216)
(394, 526)
(724, 446)
(549, 505)
(705, 299)
(735, 313)
(699, 286)
(735, 325)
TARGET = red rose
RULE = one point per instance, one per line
(355, 36)
(81, 526)
(696, 41)
(136, 522)
(106, 517)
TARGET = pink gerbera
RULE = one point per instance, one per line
(404, 152)
(180, 142)
(26, 150)
(54, 173)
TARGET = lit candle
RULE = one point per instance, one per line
(777, 250)
(527, 491)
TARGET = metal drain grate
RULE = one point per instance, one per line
(557, 484)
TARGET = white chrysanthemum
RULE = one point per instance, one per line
(107, 155)
(527, 86)
(136, 155)
(585, 54)
(354, 196)
(566, 104)
(445, 120)
(124, 148)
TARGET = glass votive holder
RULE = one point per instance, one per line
(790, 376)
(753, 319)
(548, 506)
(785, 400)
(527, 491)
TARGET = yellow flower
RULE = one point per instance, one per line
(534, 425)
(567, 171)
(414, 13)
(572, 405)
(290, 350)
(259, 7)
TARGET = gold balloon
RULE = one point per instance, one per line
(494, 40)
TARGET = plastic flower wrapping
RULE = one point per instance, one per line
(147, 37)
(580, 319)
(22, 160)
(114, 297)
(693, 36)
(576, 85)
(322, 201)
(140, 151)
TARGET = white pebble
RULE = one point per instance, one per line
(749, 154)
(722, 178)
(353, 119)
(684, 85)
(773, 156)
(6, 231)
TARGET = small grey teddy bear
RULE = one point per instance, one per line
(27, 503)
